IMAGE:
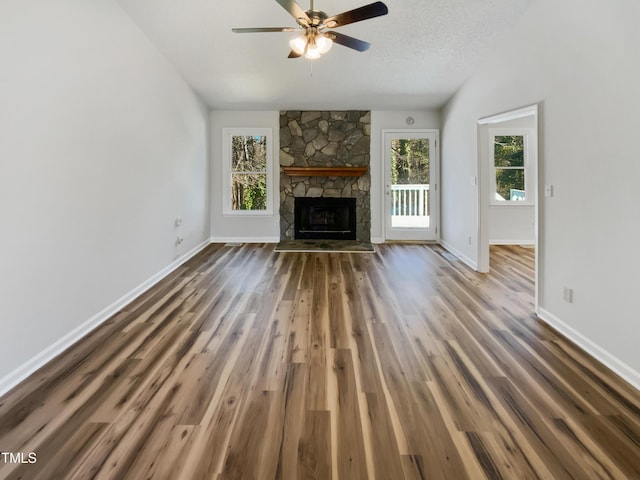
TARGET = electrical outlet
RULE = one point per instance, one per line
(568, 294)
(179, 240)
(178, 222)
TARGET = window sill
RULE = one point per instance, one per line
(247, 213)
(508, 203)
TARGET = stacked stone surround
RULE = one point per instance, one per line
(325, 139)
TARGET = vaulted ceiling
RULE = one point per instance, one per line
(421, 52)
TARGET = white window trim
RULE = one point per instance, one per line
(529, 183)
(227, 134)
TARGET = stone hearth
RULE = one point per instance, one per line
(325, 139)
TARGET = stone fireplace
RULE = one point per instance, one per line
(325, 155)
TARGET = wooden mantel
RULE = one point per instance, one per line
(325, 171)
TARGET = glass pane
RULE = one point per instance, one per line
(409, 161)
(409, 194)
(248, 192)
(510, 184)
(508, 150)
(249, 153)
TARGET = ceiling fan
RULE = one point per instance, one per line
(315, 26)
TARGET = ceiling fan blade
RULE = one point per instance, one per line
(266, 29)
(366, 12)
(295, 11)
(293, 54)
(347, 41)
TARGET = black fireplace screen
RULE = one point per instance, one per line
(325, 218)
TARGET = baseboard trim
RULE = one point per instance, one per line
(245, 239)
(470, 263)
(512, 242)
(13, 378)
(596, 351)
(377, 240)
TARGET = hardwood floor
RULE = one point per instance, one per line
(251, 364)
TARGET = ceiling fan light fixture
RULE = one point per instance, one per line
(298, 44)
(324, 43)
(315, 40)
(313, 52)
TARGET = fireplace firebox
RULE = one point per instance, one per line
(325, 218)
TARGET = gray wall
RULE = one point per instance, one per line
(102, 147)
(225, 228)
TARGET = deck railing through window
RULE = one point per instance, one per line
(409, 200)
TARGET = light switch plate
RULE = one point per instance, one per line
(548, 191)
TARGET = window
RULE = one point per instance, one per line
(510, 167)
(247, 154)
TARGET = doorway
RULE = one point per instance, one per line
(411, 184)
(508, 172)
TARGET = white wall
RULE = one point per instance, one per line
(102, 146)
(387, 120)
(579, 60)
(256, 228)
(511, 225)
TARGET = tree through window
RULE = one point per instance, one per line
(409, 161)
(249, 173)
(248, 152)
(509, 165)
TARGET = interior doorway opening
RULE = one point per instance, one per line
(508, 186)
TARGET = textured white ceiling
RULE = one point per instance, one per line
(421, 53)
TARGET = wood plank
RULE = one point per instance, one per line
(352, 462)
(386, 459)
(294, 412)
(314, 449)
(325, 171)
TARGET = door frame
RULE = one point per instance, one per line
(434, 179)
(484, 188)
